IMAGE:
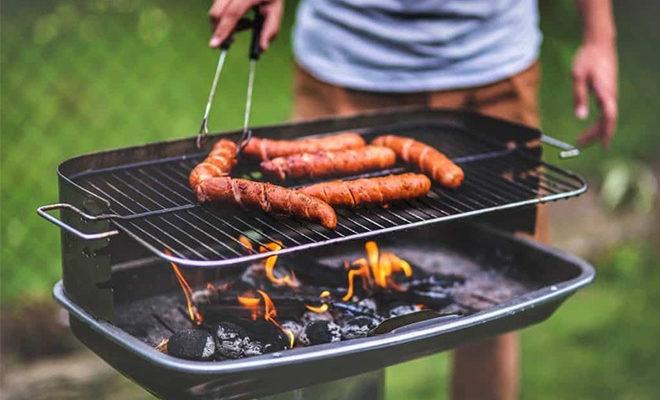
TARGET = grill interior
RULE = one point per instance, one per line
(154, 205)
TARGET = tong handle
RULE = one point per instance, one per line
(43, 212)
(242, 25)
(566, 150)
(257, 27)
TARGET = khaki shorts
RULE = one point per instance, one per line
(514, 99)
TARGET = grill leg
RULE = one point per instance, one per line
(367, 386)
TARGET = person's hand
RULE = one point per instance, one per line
(595, 69)
(224, 14)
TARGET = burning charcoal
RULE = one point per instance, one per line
(310, 316)
(368, 303)
(265, 333)
(358, 327)
(318, 332)
(234, 342)
(435, 297)
(439, 280)
(399, 308)
(294, 327)
(252, 348)
(231, 340)
(191, 344)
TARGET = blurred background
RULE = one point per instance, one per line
(81, 76)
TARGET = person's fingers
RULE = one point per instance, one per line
(272, 19)
(591, 134)
(215, 12)
(580, 93)
(230, 15)
(608, 109)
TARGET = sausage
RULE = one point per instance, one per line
(429, 160)
(329, 163)
(267, 197)
(266, 149)
(219, 162)
(379, 190)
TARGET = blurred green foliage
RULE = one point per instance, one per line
(602, 344)
(80, 76)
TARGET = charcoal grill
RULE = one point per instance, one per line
(125, 212)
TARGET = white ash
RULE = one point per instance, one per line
(231, 340)
(358, 327)
(191, 344)
(368, 303)
(293, 327)
(310, 316)
(402, 310)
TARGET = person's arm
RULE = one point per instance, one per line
(595, 69)
(224, 14)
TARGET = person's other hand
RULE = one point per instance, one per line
(224, 14)
(595, 69)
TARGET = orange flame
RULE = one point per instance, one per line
(251, 303)
(323, 307)
(376, 270)
(320, 309)
(270, 313)
(247, 244)
(193, 313)
(269, 265)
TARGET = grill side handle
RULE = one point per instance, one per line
(566, 150)
(43, 212)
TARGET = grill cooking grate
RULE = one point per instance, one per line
(155, 206)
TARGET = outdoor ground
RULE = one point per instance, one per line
(80, 76)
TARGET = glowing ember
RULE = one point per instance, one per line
(376, 270)
(270, 313)
(193, 313)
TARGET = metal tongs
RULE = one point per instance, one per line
(255, 51)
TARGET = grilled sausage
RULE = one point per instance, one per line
(329, 163)
(266, 149)
(379, 190)
(267, 197)
(429, 160)
(219, 162)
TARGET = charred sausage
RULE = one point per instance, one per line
(329, 163)
(267, 197)
(265, 149)
(219, 162)
(379, 190)
(429, 160)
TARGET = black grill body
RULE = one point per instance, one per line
(549, 275)
(137, 204)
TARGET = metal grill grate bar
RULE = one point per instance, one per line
(158, 209)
